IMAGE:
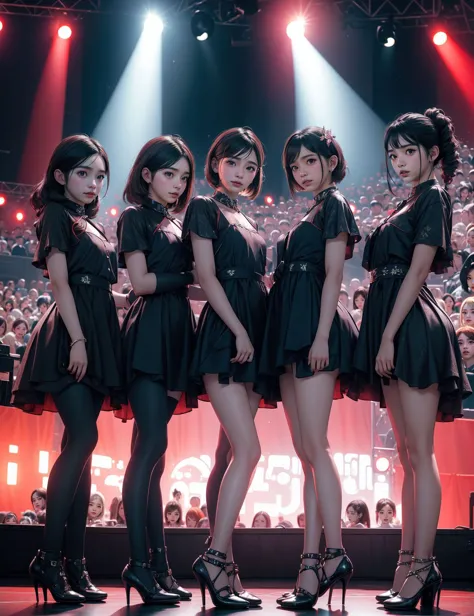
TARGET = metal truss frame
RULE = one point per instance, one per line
(50, 8)
(16, 190)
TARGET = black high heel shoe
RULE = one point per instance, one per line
(253, 600)
(302, 599)
(389, 594)
(165, 579)
(150, 594)
(47, 571)
(80, 582)
(342, 574)
(430, 588)
(202, 575)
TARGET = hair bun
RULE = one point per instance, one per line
(448, 144)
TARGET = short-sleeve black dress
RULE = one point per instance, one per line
(426, 348)
(92, 269)
(295, 299)
(158, 330)
(240, 257)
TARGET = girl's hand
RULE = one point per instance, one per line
(318, 357)
(78, 361)
(245, 350)
(384, 362)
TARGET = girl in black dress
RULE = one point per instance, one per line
(73, 358)
(309, 343)
(230, 259)
(407, 352)
(157, 334)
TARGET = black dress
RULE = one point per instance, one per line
(158, 330)
(426, 348)
(92, 269)
(295, 299)
(240, 257)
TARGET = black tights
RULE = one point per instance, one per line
(142, 500)
(221, 462)
(69, 482)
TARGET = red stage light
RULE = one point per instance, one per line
(269, 200)
(3, 200)
(64, 32)
(440, 38)
(113, 211)
(19, 216)
(382, 464)
(1, 25)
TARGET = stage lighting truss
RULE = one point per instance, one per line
(51, 8)
(19, 191)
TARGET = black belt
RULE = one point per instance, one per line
(92, 281)
(395, 270)
(238, 273)
(297, 267)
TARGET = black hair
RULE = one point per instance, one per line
(236, 143)
(159, 153)
(319, 141)
(3, 322)
(433, 128)
(360, 507)
(360, 292)
(41, 492)
(18, 322)
(43, 299)
(71, 153)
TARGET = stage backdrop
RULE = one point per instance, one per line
(29, 445)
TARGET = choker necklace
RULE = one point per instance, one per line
(78, 210)
(321, 196)
(158, 207)
(225, 200)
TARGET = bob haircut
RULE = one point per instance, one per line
(159, 153)
(236, 143)
(467, 330)
(319, 141)
(433, 128)
(71, 153)
(169, 508)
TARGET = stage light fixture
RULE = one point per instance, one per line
(113, 211)
(382, 464)
(153, 24)
(1, 25)
(296, 29)
(3, 200)
(269, 200)
(19, 216)
(64, 32)
(202, 25)
(386, 34)
(440, 38)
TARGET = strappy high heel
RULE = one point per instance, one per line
(302, 599)
(389, 594)
(202, 575)
(150, 594)
(342, 574)
(80, 582)
(46, 570)
(429, 591)
(165, 578)
(253, 600)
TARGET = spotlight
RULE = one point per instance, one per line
(382, 464)
(3, 200)
(1, 25)
(202, 25)
(153, 24)
(269, 200)
(19, 216)
(64, 32)
(386, 34)
(296, 29)
(113, 211)
(440, 38)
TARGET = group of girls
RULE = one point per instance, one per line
(250, 349)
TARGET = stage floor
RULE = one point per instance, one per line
(20, 601)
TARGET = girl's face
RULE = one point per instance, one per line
(191, 521)
(10, 520)
(260, 522)
(466, 346)
(464, 194)
(8, 293)
(20, 330)
(470, 238)
(352, 515)
(167, 185)
(359, 302)
(3, 329)
(236, 174)
(84, 183)
(386, 515)
(121, 512)
(172, 517)
(449, 304)
(8, 307)
(311, 171)
(95, 508)
(411, 162)
(467, 315)
(38, 502)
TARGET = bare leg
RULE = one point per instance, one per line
(395, 411)
(313, 523)
(420, 407)
(233, 406)
(314, 397)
